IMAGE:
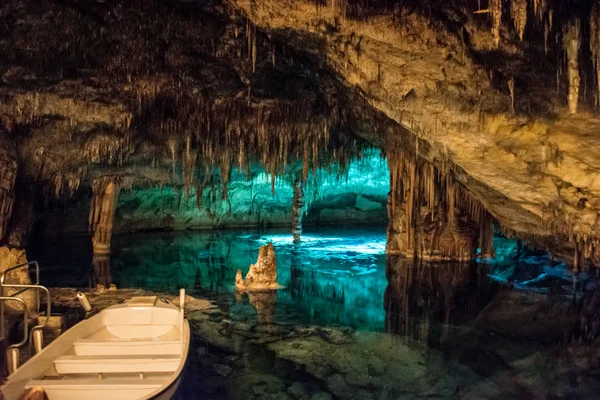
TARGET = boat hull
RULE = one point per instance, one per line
(112, 376)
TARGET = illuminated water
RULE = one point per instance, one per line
(442, 317)
(329, 279)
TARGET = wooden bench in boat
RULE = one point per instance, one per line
(98, 389)
(94, 383)
(90, 347)
(106, 364)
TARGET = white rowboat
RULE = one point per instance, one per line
(134, 350)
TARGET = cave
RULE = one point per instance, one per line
(425, 174)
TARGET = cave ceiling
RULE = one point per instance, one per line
(504, 93)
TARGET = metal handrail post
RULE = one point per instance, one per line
(3, 277)
(25, 320)
(38, 287)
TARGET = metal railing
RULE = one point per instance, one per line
(25, 320)
(23, 288)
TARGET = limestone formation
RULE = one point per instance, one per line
(8, 175)
(8, 259)
(262, 275)
(297, 210)
(431, 216)
(163, 108)
(518, 12)
(101, 271)
(572, 43)
(595, 44)
(105, 192)
(496, 11)
(23, 216)
(264, 303)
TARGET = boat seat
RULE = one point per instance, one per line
(93, 383)
(90, 364)
(91, 347)
(98, 389)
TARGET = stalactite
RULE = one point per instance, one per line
(254, 50)
(496, 11)
(486, 235)
(340, 7)
(105, 193)
(273, 55)
(297, 210)
(249, 38)
(451, 200)
(595, 44)
(225, 169)
(546, 35)
(173, 148)
(571, 43)
(518, 13)
(8, 175)
(23, 216)
(511, 88)
(189, 166)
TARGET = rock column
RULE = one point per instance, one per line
(8, 174)
(105, 192)
(297, 211)
(101, 274)
(431, 216)
(22, 219)
(571, 43)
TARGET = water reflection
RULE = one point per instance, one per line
(330, 278)
(101, 276)
(426, 300)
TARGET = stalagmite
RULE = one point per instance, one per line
(105, 192)
(263, 274)
(518, 12)
(297, 210)
(571, 43)
(8, 175)
(595, 44)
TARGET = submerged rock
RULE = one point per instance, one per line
(263, 274)
(297, 390)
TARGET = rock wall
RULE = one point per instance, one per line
(8, 259)
(536, 169)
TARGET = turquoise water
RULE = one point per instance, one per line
(329, 279)
(484, 329)
(339, 278)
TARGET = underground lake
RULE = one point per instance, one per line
(360, 199)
